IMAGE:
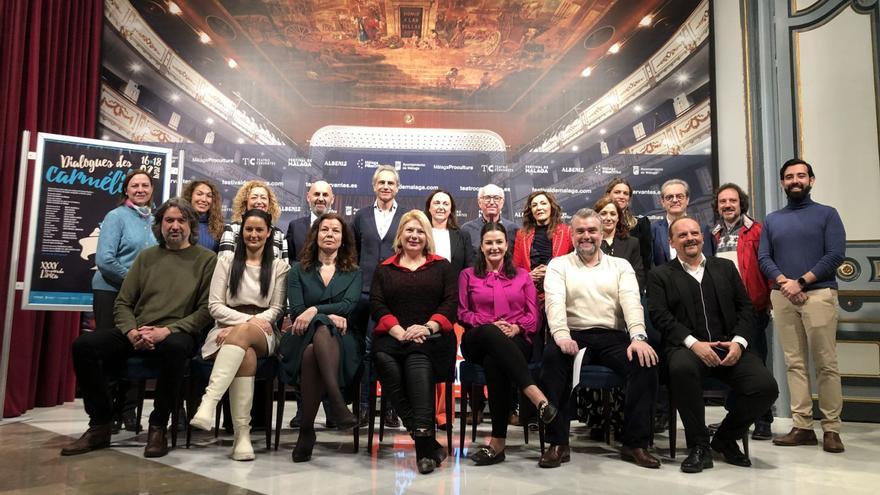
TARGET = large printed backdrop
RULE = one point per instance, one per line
(568, 95)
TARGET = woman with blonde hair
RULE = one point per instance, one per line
(254, 194)
(413, 300)
(204, 197)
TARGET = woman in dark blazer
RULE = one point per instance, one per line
(454, 244)
(324, 348)
(639, 227)
(616, 240)
(450, 242)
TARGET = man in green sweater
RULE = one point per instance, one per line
(160, 312)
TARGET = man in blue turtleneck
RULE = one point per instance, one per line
(801, 247)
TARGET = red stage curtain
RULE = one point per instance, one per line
(50, 58)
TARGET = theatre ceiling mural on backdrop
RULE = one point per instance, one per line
(416, 54)
(512, 66)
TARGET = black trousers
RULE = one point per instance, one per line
(409, 384)
(605, 348)
(505, 362)
(102, 307)
(751, 382)
(101, 352)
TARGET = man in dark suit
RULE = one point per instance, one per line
(674, 197)
(702, 309)
(374, 229)
(320, 199)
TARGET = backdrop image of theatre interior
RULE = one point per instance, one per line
(557, 95)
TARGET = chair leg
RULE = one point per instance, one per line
(475, 389)
(279, 413)
(267, 413)
(382, 410)
(450, 414)
(673, 426)
(463, 404)
(541, 435)
(523, 418)
(371, 413)
(217, 415)
(175, 417)
(746, 444)
(356, 410)
(606, 414)
(190, 401)
(141, 392)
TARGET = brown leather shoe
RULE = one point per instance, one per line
(96, 437)
(554, 456)
(831, 442)
(641, 457)
(157, 444)
(797, 436)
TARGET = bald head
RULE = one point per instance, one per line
(320, 197)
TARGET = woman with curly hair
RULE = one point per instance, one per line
(324, 349)
(543, 237)
(205, 199)
(254, 194)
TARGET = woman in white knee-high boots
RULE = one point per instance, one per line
(246, 300)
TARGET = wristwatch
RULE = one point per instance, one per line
(638, 337)
(802, 282)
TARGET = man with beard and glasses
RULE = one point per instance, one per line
(801, 248)
(736, 237)
(702, 309)
(593, 302)
(161, 311)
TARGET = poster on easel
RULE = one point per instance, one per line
(76, 181)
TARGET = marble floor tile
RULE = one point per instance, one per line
(29, 463)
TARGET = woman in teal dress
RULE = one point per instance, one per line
(323, 351)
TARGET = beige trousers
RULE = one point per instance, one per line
(810, 331)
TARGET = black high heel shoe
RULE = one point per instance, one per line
(547, 412)
(304, 445)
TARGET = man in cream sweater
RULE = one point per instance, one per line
(592, 301)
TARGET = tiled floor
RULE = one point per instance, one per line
(29, 463)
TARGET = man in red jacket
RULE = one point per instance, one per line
(736, 237)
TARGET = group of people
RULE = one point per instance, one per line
(380, 296)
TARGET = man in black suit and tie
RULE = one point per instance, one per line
(701, 308)
(374, 229)
(320, 199)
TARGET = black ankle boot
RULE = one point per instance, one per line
(304, 445)
(425, 451)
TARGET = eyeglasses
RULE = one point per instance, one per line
(671, 197)
(492, 199)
